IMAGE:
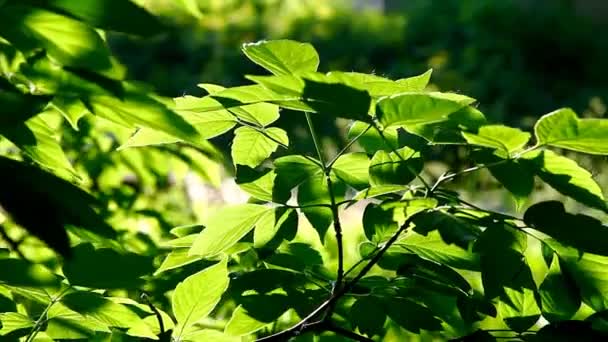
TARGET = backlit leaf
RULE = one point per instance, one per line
(251, 147)
(283, 57)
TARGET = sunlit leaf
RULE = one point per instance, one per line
(283, 57)
(506, 140)
(251, 147)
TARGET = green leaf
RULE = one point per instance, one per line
(16, 106)
(255, 312)
(577, 230)
(367, 315)
(283, 57)
(419, 108)
(499, 269)
(64, 323)
(175, 259)
(251, 147)
(13, 321)
(450, 131)
(208, 125)
(506, 140)
(518, 308)
(258, 184)
(39, 142)
(66, 40)
(353, 169)
(139, 110)
(371, 141)
(315, 191)
(139, 21)
(433, 248)
(562, 128)
(566, 176)
(269, 226)
(411, 316)
(516, 178)
(395, 168)
(19, 272)
(319, 93)
(113, 270)
(559, 297)
(196, 296)
(226, 227)
(43, 204)
(453, 230)
(72, 109)
(434, 274)
(94, 306)
(378, 223)
(417, 83)
(291, 171)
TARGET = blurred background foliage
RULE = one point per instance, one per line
(519, 58)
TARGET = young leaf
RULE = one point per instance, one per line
(506, 140)
(579, 231)
(566, 176)
(353, 169)
(225, 228)
(251, 147)
(417, 83)
(71, 108)
(559, 297)
(563, 129)
(395, 168)
(283, 57)
(378, 223)
(419, 108)
(196, 296)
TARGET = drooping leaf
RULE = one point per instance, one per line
(251, 147)
(43, 204)
(577, 230)
(562, 128)
(196, 296)
(559, 297)
(395, 168)
(19, 272)
(139, 21)
(419, 108)
(506, 140)
(226, 227)
(113, 270)
(566, 176)
(283, 57)
(367, 315)
(71, 108)
(353, 169)
(450, 131)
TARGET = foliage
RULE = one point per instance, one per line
(283, 265)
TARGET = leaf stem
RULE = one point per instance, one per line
(42, 318)
(315, 141)
(348, 145)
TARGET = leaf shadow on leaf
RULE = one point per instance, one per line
(337, 99)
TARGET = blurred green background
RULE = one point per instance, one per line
(519, 58)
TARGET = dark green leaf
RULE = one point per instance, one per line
(580, 231)
(112, 269)
(255, 312)
(367, 315)
(566, 176)
(371, 141)
(378, 223)
(559, 297)
(453, 230)
(399, 167)
(412, 316)
(19, 272)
